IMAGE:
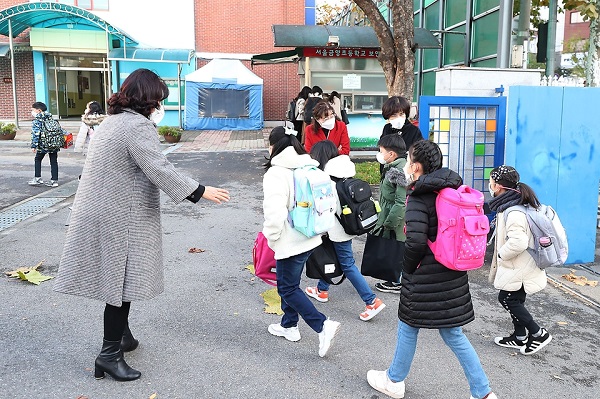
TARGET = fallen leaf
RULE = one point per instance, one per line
(579, 280)
(251, 268)
(153, 396)
(195, 250)
(24, 269)
(272, 302)
(562, 323)
(558, 377)
(34, 277)
(82, 397)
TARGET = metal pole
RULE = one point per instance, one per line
(504, 34)
(108, 74)
(13, 76)
(551, 45)
(524, 16)
(179, 94)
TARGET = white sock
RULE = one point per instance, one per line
(537, 334)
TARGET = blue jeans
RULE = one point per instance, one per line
(346, 258)
(293, 300)
(456, 340)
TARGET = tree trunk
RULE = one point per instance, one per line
(592, 74)
(396, 56)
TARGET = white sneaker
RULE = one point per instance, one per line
(36, 181)
(290, 333)
(490, 395)
(381, 382)
(330, 328)
(52, 183)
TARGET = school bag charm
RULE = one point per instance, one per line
(462, 229)
(313, 212)
(359, 209)
(550, 245)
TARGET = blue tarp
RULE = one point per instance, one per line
(223, 95)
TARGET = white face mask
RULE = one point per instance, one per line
(157, 115)
(407, 174)
(398, 122)
(34, 114)
(492, 193)
(380, 158)
(328, 124)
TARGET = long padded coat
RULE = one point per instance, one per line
(113, 247)
(432, 295)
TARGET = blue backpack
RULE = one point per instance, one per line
(314, 201)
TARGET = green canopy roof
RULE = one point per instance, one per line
(349, 36)
(50, 14)
(179, 56)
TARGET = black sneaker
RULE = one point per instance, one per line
(389, 286)
(510, 342)
(534, 344)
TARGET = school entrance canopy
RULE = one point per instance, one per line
(223, 95)
(15, 20)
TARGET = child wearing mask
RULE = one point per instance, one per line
(513, 270)
(291, 247)
(340, 167)
(396, 110)
(392, 196)
(41, 117)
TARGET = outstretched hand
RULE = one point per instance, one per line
(215, 194)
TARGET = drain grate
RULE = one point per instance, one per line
(26, 210)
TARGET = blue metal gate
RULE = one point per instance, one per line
(469, 131)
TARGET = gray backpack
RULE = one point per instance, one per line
(550, 239)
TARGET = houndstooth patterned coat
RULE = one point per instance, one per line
(113, 247)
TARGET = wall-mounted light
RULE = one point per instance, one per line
(333, 41)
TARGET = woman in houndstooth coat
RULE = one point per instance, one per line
(113, 248)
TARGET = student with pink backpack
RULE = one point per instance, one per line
(433, 296)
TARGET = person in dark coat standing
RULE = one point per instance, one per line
(396, 110)
(113, 248)
(432, 295)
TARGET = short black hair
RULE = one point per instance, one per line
(393, 142)
(395, 105)
(39, 105)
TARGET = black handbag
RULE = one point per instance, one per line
(323, 263)
(382, 257)
(344, 117)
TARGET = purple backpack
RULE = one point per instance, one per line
(462, 229)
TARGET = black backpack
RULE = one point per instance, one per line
(359, 209)
(52, 135)
(290, 114)
(309, 105)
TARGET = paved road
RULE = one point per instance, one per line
(206, 337)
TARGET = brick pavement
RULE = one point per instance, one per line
(223, 140)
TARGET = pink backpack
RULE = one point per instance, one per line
(264, 260)
(462, 229)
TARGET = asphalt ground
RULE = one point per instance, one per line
(206, 335)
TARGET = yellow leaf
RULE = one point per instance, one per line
(251, 268)
(153, 396)
(562, 323)
(24, 269)
(34, 277)
(272, 302)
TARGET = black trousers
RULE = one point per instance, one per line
(115, 321)
(39, 155)
(514, 302)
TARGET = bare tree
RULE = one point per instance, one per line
(396, 57)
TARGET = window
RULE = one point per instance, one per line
(454, 46)
(99, 5)
(222, 103)
(482, 6)
(485, 36)
(576, 17)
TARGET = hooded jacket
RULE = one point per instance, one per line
(340, 167)
(512, 265)
(432, 295)
(392, 199)
(278, 201)
(89, 122)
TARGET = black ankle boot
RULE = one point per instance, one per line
(128, 343)
(111, 361)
